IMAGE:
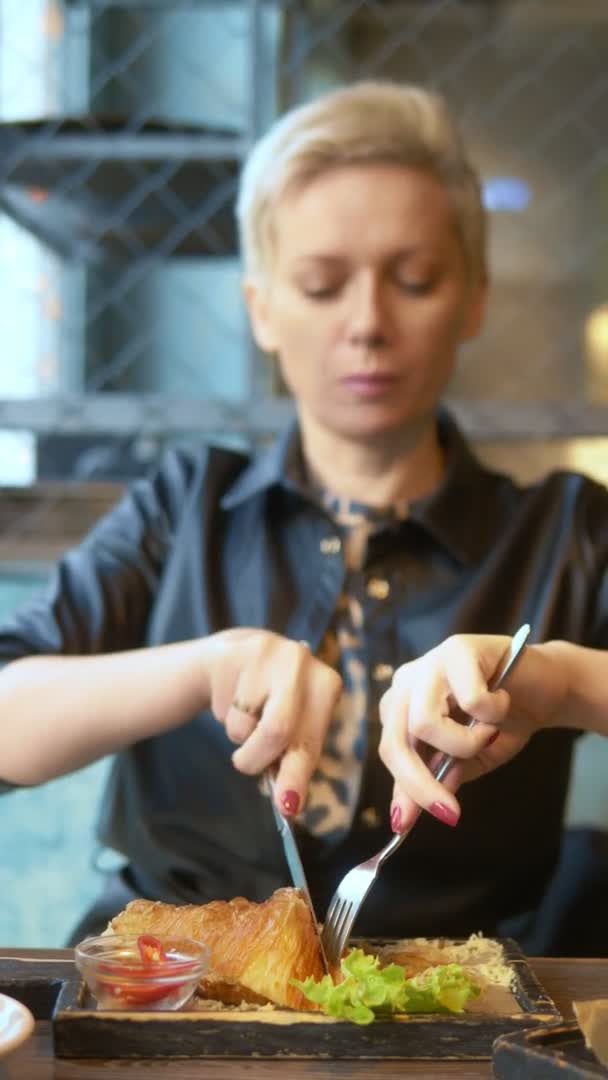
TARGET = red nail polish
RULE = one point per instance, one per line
(290, 801)
(493, 738)
(444, 813)
(396, 819)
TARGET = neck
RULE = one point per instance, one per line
(402, 466)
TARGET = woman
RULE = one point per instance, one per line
(278, 595)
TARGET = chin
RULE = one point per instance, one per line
(371, 429)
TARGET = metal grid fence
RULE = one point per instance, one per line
(122, 130)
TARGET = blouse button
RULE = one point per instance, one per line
(378, 588)
(330, 545)
(383, 672)
(370, 817)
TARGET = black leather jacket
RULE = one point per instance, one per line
(215, 540)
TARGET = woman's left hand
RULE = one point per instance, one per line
(425, 710)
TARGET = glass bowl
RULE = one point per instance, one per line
(141, 972)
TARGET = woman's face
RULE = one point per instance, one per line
(367, 298)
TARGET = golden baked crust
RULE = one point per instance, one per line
(255, 949)
(592, 1019)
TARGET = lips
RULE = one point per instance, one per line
(370, 384)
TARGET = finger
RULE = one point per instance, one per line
(297, 712)
(438, 718)
(279, 673)
(241, 719)
(228, 655)
(302, 755)
(500, 748)
(450, 683)
(401, 753)
(293, 776)
(415, 779)
(469, 670)
(272, 734)
(498, 751)
(402, 757)
(405, 810)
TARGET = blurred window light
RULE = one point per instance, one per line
(17, 459)
(31, 84)
(505, 194)
(596, 340)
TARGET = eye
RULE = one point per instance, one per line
(414, 287)
(324, 292)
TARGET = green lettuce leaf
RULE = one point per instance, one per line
(366, 990)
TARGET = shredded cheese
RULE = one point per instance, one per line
(484, 956)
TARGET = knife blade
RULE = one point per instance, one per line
(292, 855)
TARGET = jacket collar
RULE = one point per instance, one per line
(457, 514)
(279, 465)
(460, 513)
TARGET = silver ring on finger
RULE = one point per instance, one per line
(244, 707)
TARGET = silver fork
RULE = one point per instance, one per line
(355, 885)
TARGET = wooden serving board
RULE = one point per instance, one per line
(80, 1030)
(544, 1053)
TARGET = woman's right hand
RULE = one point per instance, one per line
(276, 701)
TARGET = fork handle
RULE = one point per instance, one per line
(389, 849)
(446, 761)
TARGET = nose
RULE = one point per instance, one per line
(367, 325)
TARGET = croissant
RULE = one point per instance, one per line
(255, 948)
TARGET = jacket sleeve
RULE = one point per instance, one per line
(100, 594)
(591, 558)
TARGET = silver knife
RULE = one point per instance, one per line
(292, 855)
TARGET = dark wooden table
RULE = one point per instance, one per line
(564, 980)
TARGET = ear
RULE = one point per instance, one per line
(476, 310)
(257, 299)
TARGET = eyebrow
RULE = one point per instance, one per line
(332, 259)
(317, 257)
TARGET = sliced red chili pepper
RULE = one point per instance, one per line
(136, 969)
(151, 949)
(140, 995)
(125, 980)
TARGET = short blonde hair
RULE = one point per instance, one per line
(366, 122)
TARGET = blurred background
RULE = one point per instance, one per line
(122, 129)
